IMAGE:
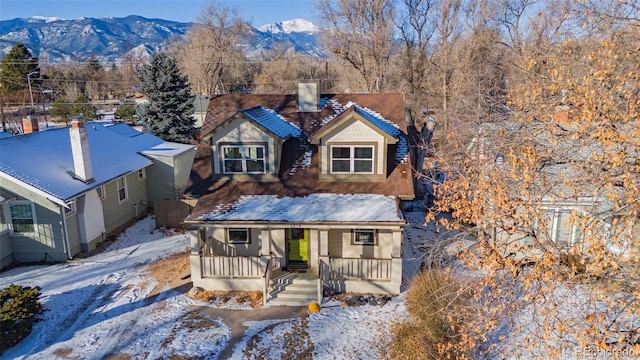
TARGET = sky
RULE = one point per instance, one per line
(257, 12)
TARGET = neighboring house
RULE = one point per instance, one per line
(64, 191)
(308, 187)
(200, 104)
(561, 209)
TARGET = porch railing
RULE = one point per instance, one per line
(231, 266)
(373, 269)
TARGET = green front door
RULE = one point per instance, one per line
(297, 243)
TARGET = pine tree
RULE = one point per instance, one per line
(169, 113)
(15, 67)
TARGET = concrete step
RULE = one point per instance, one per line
(293, 290)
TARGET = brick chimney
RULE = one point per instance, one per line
(80, 150)
(29, 124)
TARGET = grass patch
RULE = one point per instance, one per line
(435, 301)
(251, 298)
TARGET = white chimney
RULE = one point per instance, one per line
(80, 151)
(309, 95)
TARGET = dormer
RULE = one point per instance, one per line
(354, 146)
(248, 145)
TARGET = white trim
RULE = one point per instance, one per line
(244, 158)
(70, 209)
(352, 158)
(10, 218)
(34, 189)
(125, 187)
(247, 232)
(103, 191)
(372, 231)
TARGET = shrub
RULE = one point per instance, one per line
(19, 307)
(436, 302)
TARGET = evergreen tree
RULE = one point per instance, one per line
(15, 67)
(126, 111)
(169, 113)
(82, 106)
(61, 108)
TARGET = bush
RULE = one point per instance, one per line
(19, 307)
(436, 302)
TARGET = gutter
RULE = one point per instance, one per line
(65, 234)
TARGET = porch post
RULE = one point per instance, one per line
(194, 256)
(396, 249)
(265, 242)
(323, 247)
(396, 260)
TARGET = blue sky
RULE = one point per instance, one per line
(259, 12)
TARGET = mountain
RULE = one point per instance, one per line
(109, 39)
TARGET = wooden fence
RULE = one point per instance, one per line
(170, 213)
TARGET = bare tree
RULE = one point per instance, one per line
(360, 32)
(210, 55)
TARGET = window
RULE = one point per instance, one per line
(562, 226)
(101, 193)
(142, 174)
(243, 159)
(22, 217)
(71, 208)
(364, 236)
(238, 236)
(352, 159)
(123, 194)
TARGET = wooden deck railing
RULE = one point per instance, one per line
(373, 269)
(227, 266)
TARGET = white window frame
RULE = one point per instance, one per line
(244, 158)
(352, 159)
(142, 174)
(575, 234)
(374, 237)
(72, 208)
(247, 239)
(10, 218)
(101, 192)
(124, 187)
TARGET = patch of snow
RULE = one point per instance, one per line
(314, 207)
(290, 26)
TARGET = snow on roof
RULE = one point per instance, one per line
(314, 207)
(272, 122)
(44, 161)
(168, 149)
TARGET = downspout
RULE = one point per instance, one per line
(65, 234)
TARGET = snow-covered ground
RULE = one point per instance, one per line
(105, 306)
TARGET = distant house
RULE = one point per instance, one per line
(201, 104)
(300, 193)
(63, 191)
(561, 210)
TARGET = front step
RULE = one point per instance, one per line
(294, 289)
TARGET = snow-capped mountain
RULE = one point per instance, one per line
(290, 26)
(108, 39)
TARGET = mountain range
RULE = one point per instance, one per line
(109, 39)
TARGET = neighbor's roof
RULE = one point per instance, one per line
(299, 172)
(310, 208)
(44, 161)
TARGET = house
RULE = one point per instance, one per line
(558, 198)
(308, 187)
(63, 191)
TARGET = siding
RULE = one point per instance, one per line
(116, 214)
(354, 132)
(243, 131)
(45, 245)
(341, 245)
